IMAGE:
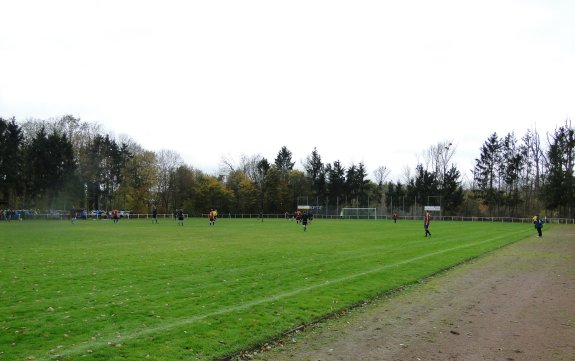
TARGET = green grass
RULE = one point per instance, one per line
(129, 291)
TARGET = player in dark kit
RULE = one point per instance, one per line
(154, 215)
(538, 222)
(304, 220)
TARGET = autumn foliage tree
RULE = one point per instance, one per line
(65, 163)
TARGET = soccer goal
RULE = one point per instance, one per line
(358, 213)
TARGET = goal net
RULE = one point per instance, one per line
(358, 213)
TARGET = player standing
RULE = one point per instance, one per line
(115, 215)
(538, 222)
(154, 215)
(212, 216)
(73, 215)
(180, 215)
(426, 221)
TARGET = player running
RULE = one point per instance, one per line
(304, 220)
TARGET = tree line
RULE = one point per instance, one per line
(65, 163)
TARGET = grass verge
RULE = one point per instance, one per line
(102, 291)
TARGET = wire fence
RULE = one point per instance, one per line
(143, 216)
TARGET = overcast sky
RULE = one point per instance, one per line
(376, 82)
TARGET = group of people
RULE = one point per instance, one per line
(537, 221)
(301, 217)
(11, 214)
(426, 221)
(304, 218)
(114, 214)
(179, 216)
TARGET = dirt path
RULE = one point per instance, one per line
(515, 304)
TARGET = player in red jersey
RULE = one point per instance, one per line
(426, 221)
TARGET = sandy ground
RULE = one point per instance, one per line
(517, 303)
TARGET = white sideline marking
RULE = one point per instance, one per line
(98, 344)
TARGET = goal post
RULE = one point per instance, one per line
(358, 213)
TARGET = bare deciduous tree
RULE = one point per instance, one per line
(249, 165)
(168, 162)
(381, 173)
(438, 157)
(227, 165)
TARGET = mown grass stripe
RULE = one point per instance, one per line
(242, 307)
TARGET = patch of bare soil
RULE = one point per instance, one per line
(517, 303)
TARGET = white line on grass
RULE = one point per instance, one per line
(144, 332)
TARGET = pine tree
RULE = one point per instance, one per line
(486, 172)
(284, 162)
(11, 139)
(315, 171)
(559, 188)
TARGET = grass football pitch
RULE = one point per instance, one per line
(96, 290)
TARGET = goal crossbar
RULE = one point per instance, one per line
(358, 213)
